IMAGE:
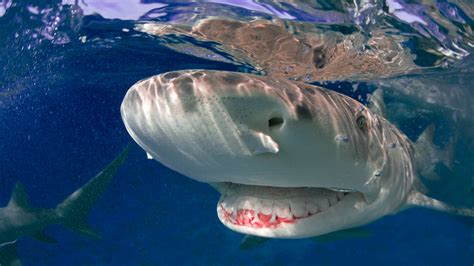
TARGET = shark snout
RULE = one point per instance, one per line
(229, 127)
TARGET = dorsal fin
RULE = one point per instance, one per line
(427, 154)
(428, 135)
(19, 198)
(376, 103)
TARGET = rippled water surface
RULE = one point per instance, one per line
(66, 65)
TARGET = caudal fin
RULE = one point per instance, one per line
(74, 209)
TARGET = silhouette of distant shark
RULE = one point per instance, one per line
(19, 219)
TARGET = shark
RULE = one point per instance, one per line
(290, 160)
(19, 218)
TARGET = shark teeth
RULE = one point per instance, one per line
(282, 210)
(312, 207)
(269, 207)
(332, 199)
(298, 210)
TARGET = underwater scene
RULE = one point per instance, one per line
(236, 132)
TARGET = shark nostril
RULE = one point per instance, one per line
(275, 122)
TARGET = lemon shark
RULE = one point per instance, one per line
(19, 218)
(291, 160)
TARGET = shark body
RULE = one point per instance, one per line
(19, 219)
(290, 160)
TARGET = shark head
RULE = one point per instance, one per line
(291, 160)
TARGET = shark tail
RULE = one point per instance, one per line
(74, 209)
(419, 199)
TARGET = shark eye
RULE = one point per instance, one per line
(361, 122)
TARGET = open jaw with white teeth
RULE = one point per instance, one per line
(263, 210)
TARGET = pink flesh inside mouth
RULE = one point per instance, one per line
(271, 207)
(248, 218)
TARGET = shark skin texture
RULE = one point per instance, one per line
(291, 160)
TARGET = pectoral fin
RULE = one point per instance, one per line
(419, 199)
(250, 242)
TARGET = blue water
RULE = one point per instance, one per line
(60, 124)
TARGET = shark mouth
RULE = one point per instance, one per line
(250, 208)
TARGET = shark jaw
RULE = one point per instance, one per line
(279, 212)
(317, 158)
